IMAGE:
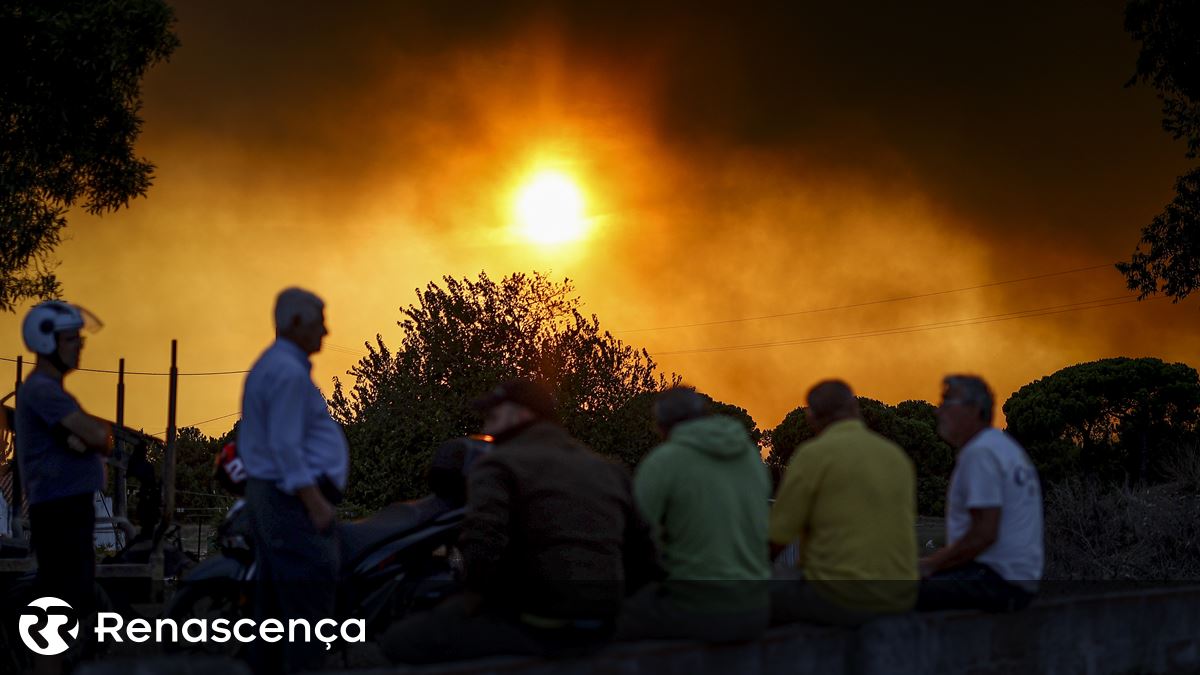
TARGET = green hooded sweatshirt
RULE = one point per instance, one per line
(706, 492)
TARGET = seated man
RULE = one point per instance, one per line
(550, 539)
(707, 493)
(993, 511)
(849, 497)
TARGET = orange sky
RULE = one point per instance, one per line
(731, 169)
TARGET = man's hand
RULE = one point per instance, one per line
(76, 444)
(926, 567)
(320, 511)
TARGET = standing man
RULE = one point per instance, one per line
(706, 493)
(296, 459)
(59, 449)
(550, 540)
(849, 497)
(993, 511)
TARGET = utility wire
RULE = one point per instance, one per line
(970, 321)
(870, 302)
(140, 372)
(196, 424)
(343, 349)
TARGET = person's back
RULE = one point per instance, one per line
(849, 498)
(546, 525)
(707, 491)
(862, 521)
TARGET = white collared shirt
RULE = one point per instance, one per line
(287, 434)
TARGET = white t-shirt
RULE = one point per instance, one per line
(993, 471)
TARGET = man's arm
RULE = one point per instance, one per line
(93, 433)
(484, 535)
(793, 504)
(285, 441)
(285, 409)
(985, 527)
(981, 481)
(643, 527)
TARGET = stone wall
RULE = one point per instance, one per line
(1117, 633)
(1111, 633)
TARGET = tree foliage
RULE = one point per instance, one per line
(1169, 61)
(912, 425)
(1171, 261)
(195, 490)
(629, 433)
(70, 104)
(1116, 419)
(460, 339)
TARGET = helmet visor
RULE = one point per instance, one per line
(91, 323)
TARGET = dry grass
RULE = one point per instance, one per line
(1096, 532)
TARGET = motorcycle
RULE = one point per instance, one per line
(398, 560)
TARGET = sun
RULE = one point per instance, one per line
(549, 208)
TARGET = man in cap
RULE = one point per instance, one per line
(551, 539)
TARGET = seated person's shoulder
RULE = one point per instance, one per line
(814, 450)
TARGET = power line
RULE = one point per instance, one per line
(140, 372)
(870, 302)
(196, 424)
(970, 321)
(343, 349)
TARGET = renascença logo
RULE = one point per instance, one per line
(48, 626)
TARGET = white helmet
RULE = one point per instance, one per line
(51, 317)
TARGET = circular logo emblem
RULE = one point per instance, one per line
(48, 626)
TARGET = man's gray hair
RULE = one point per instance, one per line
(972, 390)
(294, 303)
(678, 404)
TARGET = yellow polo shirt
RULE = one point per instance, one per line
(849, 495)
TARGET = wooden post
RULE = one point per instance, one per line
(168, 474)
(120, 509)
(14, 513)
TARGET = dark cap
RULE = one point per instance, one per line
(532, 395)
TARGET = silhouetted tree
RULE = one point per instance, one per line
(460, 340)
(1169, 61)
(629, 433)
(1117, 419)
(70, 78)
(194, 456)
(784, 439)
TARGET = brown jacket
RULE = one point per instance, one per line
(552, 528)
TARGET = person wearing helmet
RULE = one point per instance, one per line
(59, 452)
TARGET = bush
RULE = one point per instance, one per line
(1096, 532)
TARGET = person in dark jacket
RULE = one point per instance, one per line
(551, 541)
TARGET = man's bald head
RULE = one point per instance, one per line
(831, 401)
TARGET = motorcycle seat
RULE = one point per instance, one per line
(394, 520)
